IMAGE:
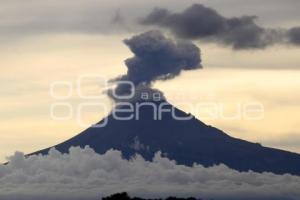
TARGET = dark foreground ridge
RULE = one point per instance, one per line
(125, 196)
(185, 141)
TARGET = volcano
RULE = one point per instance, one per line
(185, 141)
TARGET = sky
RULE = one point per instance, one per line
(42, 42)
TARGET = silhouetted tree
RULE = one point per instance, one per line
(125, 196)
(117, 196)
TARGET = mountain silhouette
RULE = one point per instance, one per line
(185, 141)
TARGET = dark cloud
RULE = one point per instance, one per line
(243, 33)
(157, 57)
(201, 22)
(294, 35)
(196, 21)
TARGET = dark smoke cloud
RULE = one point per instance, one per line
(157, 57)
(200, 22)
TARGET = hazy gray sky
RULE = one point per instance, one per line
(45, 41)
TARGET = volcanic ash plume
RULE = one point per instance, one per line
(156, 57)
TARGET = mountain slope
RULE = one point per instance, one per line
(187, 142)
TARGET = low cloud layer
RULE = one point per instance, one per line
(84, 174)
(157, 57)
(201, 22)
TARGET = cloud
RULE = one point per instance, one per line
(84, 174)
(95, 16)
(92, 17)
(294, 35)
(201, 22)
(157, 57)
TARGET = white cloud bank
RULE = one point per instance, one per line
(83, 174)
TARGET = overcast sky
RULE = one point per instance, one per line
(95, 16)
(45, 41)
